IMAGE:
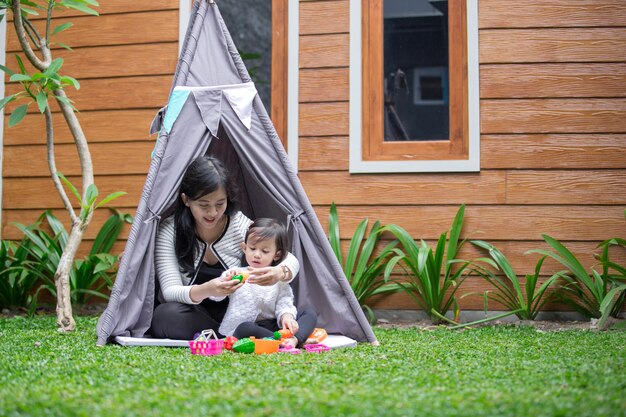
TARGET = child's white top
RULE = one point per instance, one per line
(254, 302)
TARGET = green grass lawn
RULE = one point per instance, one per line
(490, 371)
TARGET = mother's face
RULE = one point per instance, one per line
(209, 209)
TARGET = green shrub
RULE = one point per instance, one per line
(594, 295)
(363, 267)
(524, 303)
(16, 283)
(89, 276)
(433, 281)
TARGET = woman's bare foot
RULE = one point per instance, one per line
(311, 341)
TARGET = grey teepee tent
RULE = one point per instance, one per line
(213, 108)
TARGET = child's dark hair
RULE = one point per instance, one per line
(265, 228)
(204, 175)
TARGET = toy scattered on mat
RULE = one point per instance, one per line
(316, 348)
(265, 345)
(242, 276)
(245, 345)
(206, 344)
(318, 334)
(289, 349)
(282, 334)
(229, 341)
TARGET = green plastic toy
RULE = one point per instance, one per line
(244, 345)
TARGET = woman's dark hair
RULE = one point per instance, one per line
(265, 228)
(204, 175)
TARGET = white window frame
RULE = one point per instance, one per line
(357, 164)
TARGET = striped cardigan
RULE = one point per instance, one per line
(176, 284)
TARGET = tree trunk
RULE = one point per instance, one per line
(65, 320)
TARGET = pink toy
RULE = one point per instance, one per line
(206, 344)
(316, 348)
(289, 349)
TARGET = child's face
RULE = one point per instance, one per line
(260, 253)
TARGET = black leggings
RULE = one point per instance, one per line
(182, 321)
(307, 319)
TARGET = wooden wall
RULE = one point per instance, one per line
(553, 126)
(553, 134)
(124, 60)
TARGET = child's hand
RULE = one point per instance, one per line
(290, 323)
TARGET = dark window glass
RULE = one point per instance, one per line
(416, 70)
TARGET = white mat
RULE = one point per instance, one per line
(332, 341)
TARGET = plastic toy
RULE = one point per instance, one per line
(318, 334)
(242, 276)
(316, 348)
(206, 344)
(229, 341)
(265, 346)
(244, 345)
(283, 334)
(289, 349)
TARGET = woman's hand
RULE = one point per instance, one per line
(217, 287)
(266, 276)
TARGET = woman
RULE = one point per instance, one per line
(195, 245)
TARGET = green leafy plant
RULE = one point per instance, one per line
(45, 83)
(89, 275)
(594, 295)
(16, 284)
(433, 278)
(525, 302)
(364, 266)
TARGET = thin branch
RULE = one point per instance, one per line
(53, 168)
(18, 22)
(31, 31)
(80, 140)
(48, 18)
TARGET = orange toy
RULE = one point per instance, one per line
(318, 334)
(265, 345)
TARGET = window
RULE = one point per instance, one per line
(414, 93)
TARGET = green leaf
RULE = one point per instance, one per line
(54, 67)
(42, 101)
(91, 195)
(62, 27)
(20, 64)
(110, 197)
(71, 187)
(82, 8)
(7, 70)
(17, 115)
(63, 45)
(455, 232)
(21, 78)
(108, 234)
(65, 101)
(333, 233)
(70, 81)
(7, 100)
(353, 249)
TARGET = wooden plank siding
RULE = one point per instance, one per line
(553, 136)
(125, 69)
(553, 128)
